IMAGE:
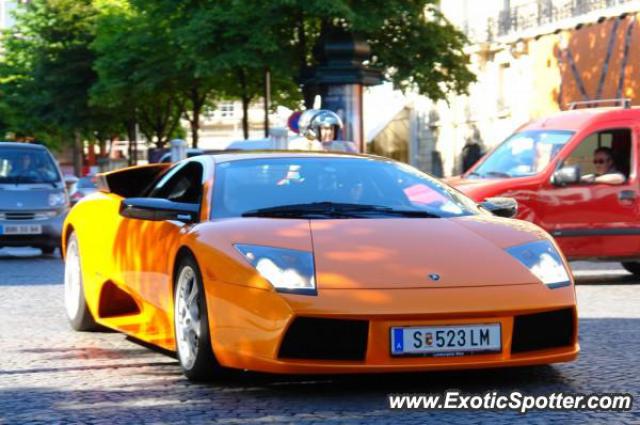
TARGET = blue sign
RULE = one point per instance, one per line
(293, 122)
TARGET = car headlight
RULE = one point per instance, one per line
(288, 270)
(543, 260)
(57, 199)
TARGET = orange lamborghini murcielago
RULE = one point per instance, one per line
(315, 263)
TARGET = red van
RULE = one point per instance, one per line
(553, 167)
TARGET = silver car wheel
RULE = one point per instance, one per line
(187, 316)
(72, 280)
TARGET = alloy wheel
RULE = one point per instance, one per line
(187, 317)
(72, 280)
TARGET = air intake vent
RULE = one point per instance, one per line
(543, 330)
(116, 302)
(18, 215)
(325, 339)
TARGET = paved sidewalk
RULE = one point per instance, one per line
(49, 374)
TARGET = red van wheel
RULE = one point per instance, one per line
(632, 266)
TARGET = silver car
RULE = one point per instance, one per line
(33, 198)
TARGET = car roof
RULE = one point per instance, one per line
(574, 120)
(21, 145)
(242, 155)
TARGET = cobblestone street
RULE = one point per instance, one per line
(50, 374)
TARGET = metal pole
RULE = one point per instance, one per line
(267, 100)
(135, 144)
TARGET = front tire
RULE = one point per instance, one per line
(193, 338)
(78, 314)
(632, 266)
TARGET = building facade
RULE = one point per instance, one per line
(222, 124)
(531, 58)
(6, 12)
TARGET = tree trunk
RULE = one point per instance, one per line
(160, 141)
(245, 104)
(131, 136)
(195, 128)
(77, 153)
(306, 71)
(173, 120)
(245, 117)
(197, 103)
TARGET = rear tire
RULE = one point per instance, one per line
(78, 314)
(632, 266)
(192, 334)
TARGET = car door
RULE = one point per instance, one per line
(152, 247)
(597, 220)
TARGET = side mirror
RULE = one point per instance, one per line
(158, 209)
(566, 175)
(501, 207)
(69, 181)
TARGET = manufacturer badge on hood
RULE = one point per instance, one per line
(434, 276)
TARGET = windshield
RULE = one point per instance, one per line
(523, 154)
(86, 183)
(27, 166)
(331, 187)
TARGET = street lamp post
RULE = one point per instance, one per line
(339, 79)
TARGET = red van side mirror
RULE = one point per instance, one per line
(566, 175)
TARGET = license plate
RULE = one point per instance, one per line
(446, 340)
(21, 229)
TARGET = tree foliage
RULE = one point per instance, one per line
(96, 66)
(137, 73)
(47, 71)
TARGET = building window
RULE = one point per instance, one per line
(503, 88)
(226, 110)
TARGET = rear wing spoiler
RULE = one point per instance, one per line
(131, 181)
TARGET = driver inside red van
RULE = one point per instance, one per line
(605, 169)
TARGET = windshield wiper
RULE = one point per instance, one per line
(334, 210)
(497, 174)
(51, 182)
(319, 209)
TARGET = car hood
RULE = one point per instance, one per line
(407, 253)
(25, 197)
(478, 189)
(391, 253)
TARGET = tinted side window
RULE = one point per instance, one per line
(185, 185)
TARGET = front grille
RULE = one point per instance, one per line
(325, 339)
(29, 215)
(538, 331)
(17, 215)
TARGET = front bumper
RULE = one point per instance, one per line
(50, 236)
(249, 325)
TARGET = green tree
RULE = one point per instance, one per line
(229, 45)
(75, 68)
(412, 43)
(47, 71)
(137, 73)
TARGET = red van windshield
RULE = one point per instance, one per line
(523, 154)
